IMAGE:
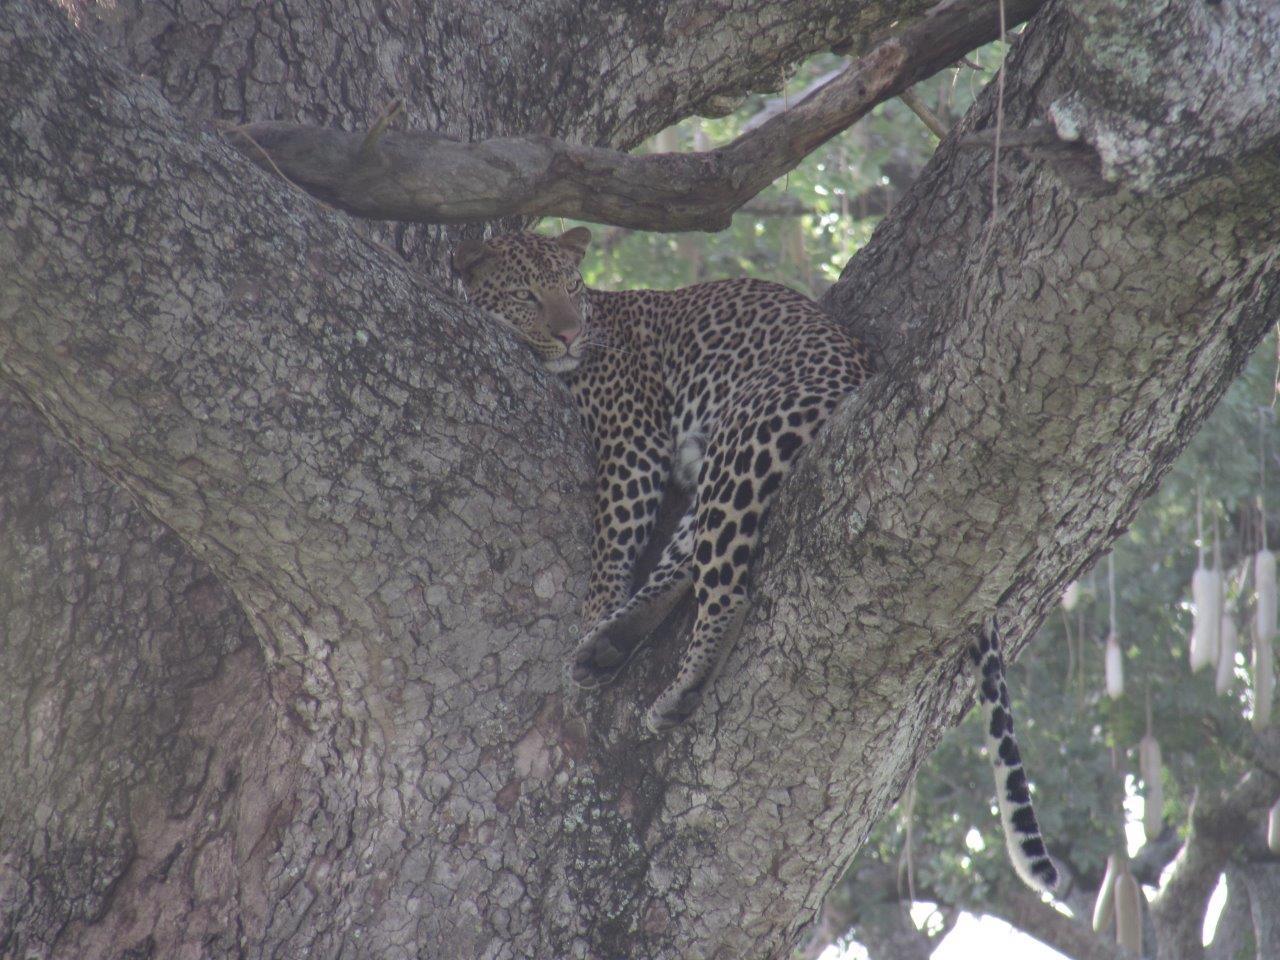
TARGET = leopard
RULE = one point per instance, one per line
(714, 389)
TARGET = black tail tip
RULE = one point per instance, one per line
(1046, 873)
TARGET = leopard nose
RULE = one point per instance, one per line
(569, 335)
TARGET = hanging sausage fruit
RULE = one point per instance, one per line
(1206, 595)
(1114, 662)
(1264, 631)
(1151, 766)
(1128, 911)
(1104, 905)
(1264, 617)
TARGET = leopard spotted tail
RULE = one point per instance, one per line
(1021, 831)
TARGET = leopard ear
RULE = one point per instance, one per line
(575, 241)
(468, 255)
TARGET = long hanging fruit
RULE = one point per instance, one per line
(1104, 905)
(1264, 574)
(1264, 631)
(1264, 619)
(1206, 591)
(1151, 767)
(1114, 668)
(1128, 911)
(1264, 683)
(1206, 594)
(1114, 660)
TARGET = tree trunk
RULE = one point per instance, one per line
(1233, 937)
(396, 498)
(1262, 880)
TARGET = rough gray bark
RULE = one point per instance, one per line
(396, 498)
(137, 693)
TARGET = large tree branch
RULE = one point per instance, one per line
(864, 894)
(251, 351)
(1127, 107)
(1070, 936)
(429, 178)
(473, 69)
(467, 69)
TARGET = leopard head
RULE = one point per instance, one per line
(531, 283)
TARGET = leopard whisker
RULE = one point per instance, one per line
(605, 345)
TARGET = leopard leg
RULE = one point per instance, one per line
(721, 592)
(746, 461)
(726, 534)
(632, 472)
(608, 647)
(700, 666)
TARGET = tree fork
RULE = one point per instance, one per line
(410, 569)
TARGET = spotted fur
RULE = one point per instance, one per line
(717, 387)
(721, 384)
(1013, 793)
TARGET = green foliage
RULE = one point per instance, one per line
(1081, 746)
(832, 188)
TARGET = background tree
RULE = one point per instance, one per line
(306, 697)
(1089, 783)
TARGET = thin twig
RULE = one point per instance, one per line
(1200, 524)
(1275, 383)
(240, 131)
(380, 125)
(927, 116)
(1071, 645)
(1111, 588)
(906, 860)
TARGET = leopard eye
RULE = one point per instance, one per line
(524, 296)
(575, 284)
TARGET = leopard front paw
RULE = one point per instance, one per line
(672, 709)
(598, 659)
